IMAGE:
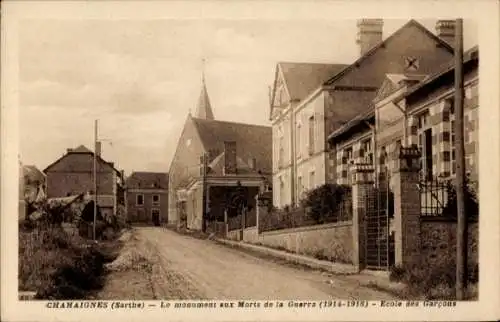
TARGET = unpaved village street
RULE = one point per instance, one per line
(184, 267)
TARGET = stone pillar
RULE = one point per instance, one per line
(362, 186)
(406, 205)
(257, 211)
(226, 225)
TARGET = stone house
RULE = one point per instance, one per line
(413, 110)
(211, 160)
(72, 174)
(32, 188)
(310, 101)
(147, 197)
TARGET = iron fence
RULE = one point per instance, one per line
(251, 218)
(302, 217)
(234, 223)
(434, 196)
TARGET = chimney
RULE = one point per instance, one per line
(98, 148)
(369, 34)
(445, 29)
(230, 157)
(69, 150)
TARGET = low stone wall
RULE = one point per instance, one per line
(234, 234)
(329, 241)
(439, 240)
(251, 235)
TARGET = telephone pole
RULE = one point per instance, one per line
(95, 177)
(204, 164)
(461, 278)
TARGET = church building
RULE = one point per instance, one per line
(212, 159)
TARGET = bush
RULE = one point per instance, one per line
(471, 202)
(326, 200)
(431, 282)
(58, 266)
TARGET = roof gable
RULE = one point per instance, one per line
(78, 160)
(393, 82)
(410, 41)
(303, 78)
(147, 180)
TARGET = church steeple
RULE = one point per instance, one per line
(204, 109)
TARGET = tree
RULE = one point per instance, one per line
(324, 201)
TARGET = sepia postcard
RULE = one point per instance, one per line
(250, 160)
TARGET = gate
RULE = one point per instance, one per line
(379, 243)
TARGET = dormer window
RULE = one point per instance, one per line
(252, 163)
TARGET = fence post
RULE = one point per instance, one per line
(362, 186)
(226, 224)
(257, 211)
(406, 205)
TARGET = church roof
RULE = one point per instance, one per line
(252, 141)
(204, 108)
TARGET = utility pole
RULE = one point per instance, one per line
(95, 176)
(204, 165)
(461, 282)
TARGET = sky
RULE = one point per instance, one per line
(141, 78)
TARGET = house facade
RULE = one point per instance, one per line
(414, 111)
(309, 102)
(32, 188)
(72, 174)
(147, 198)
(212, 159)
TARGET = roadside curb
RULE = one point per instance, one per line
(336, 268)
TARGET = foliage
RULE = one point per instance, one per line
(433, 282)
(325, 200)
(57, 265)
(471, 202)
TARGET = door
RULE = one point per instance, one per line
(155, 214)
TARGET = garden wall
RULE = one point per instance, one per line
(439, 240)
(234, 234)
(251, 235)
(332, 241)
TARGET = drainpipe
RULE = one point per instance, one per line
(292, 150)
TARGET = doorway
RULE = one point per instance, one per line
(155, 214)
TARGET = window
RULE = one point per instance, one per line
(453, 158)
(156, 200)
(139, 200)
(282, 191)
(311, 135)
(299, 186)
(281, 156)
(425, 144)
(312, 179)
(366, 152)
(347, 156)
(298, 136)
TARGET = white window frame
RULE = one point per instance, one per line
(137, 199)
(153, 202)
(367, 150)
(312, 179)
(311, 135)
(424, 125)
(298, 140)
(300, 186)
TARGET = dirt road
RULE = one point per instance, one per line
(189, 268)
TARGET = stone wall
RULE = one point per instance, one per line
(330, 241)
(234, 235)
(439, 238)
(251, 235)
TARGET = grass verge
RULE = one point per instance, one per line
(58, 265)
